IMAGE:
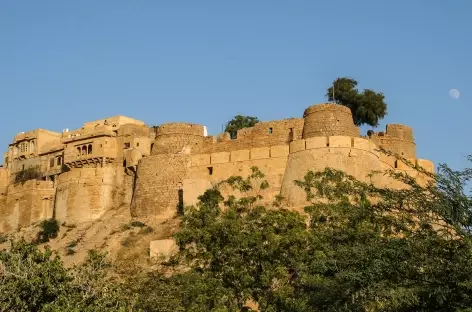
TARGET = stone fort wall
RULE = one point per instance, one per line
(26, 203)
(152, 170)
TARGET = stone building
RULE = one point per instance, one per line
(76, 176)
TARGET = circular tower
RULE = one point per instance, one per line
(400, 140)
(172, 138)
(160, 176)
(330, 139)
(329, 120)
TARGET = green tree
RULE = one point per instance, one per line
(410, 250)
(30, 279)
(240, 122)
(367, 107)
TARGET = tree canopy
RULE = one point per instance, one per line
(409, 250)
(239, 122)
(367, 107)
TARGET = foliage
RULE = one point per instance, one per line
(358, 247)
(49, 229)
(364, 249)
(367, 107)
(30, 279)
(239, 122)
(3, 238)
(135, 223)
(30, 173)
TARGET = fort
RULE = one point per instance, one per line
(78, 175)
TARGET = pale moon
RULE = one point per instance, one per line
(454, 94)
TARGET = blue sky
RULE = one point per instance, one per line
(66, 62)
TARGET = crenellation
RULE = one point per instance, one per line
(107, 163)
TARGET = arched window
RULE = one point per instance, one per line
(78, 151)
(90, 149)
(84, 150)
(59, 160)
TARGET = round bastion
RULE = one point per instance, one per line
(329, 120)
(400, 131)
(172, 138)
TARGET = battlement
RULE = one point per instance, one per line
(180, 128)
(334, 142)
(34, 134)
(398, 139)
(114, 122)
(263, 134)
(240, 155)
(400, 131)
(119, 161)
(329, 120)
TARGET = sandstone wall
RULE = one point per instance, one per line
(157, 183)
(398, 139)
(208, 169)
(85, 194)
(173, 137)
(27, 203)
(329, 120)
(263, 134)
(355, 156)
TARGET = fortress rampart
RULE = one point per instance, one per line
(328, 120)
(119, 161)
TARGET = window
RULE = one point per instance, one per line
(127, 145)
(137, 144)
(89, 149)
(32, 147)
(210, 170)
(59, 160)
(23, 147)
(84, 150)
(51, 162)
(271, 130)
(78, 151)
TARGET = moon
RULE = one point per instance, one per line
(454, 94)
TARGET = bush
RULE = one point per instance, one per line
(146, 230)
(27, 174)
(72, 244)
(49, 229)
(3, 238)
(70, 252)
(137, 224)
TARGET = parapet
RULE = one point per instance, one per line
(400, 131)
(180, 128)
(34, 134)
(173, 138)
(329, 120)
(263, 134)
(114, 122)
(398, 139)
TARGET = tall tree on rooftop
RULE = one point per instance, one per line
(240, 122)
(367, 107)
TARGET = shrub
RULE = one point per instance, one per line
(146, 230)
(27, 174)
(72, 244)
(137, 224)
(3, 238)
(49, 229)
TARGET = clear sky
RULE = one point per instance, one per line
(63, 63)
